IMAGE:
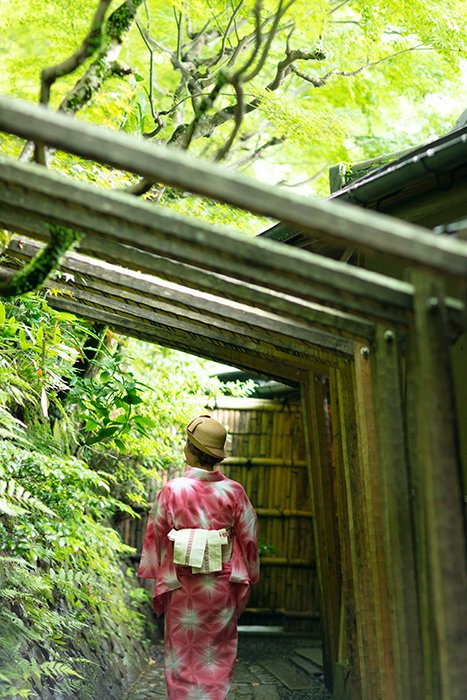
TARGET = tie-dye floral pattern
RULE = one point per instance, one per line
(201, 610)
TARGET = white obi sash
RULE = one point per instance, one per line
(203, 550)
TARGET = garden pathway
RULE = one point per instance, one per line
(269, 667)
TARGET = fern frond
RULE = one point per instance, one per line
(58, 669)
(13, 491)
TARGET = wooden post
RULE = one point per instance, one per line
(437, 484)
(371, 657)
(344, 446)
(325, 527)
(397, 526)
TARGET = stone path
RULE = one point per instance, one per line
(269, 667)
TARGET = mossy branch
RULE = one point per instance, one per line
(91, 43)
(35, 273)
(105, 64)
(103, 41)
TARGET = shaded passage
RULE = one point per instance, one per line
(282, 667)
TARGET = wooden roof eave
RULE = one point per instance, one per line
(361, 229)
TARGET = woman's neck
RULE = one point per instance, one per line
(194, 463)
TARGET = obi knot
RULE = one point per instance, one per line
(203, 550)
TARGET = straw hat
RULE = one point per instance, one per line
(208, 435)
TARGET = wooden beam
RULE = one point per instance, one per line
(340, 222)
(257, 295)
(376, 663)
(184, 340)
(343, 436)
(221, 331)
(120, 283)
(113, 217)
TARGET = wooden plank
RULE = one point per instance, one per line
(397, 522)
(266, 462)
(337, 221)
(116, 281)
(188, 342)
(105, 215)
(153, 320)
(324, 472)
(312, 654)
(331, 320)
(283, 512)
(235, 403)
(284, 561)
(438, 495)
(264, 692)
(317, 315)
(343, 686)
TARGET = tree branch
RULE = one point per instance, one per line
(285, 66)
(258, 38)
(103, 67)
(155, 115)
(256, 153)
(319, 81)
(230, 27)
(238, 116)
(90, 44)
(52, 73)
(337, 6)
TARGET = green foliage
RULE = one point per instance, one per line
(38, 348)
(78, 445)
(174, 388)
(59, 564)
(385, 77)
(300, 123)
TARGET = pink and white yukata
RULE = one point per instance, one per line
(201, 610)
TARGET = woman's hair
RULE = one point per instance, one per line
(203, 458)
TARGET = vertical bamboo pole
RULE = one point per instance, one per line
(437, 484)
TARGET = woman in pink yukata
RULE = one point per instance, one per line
(201, 547)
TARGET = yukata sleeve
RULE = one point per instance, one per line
(155, 539)
(246, 530)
